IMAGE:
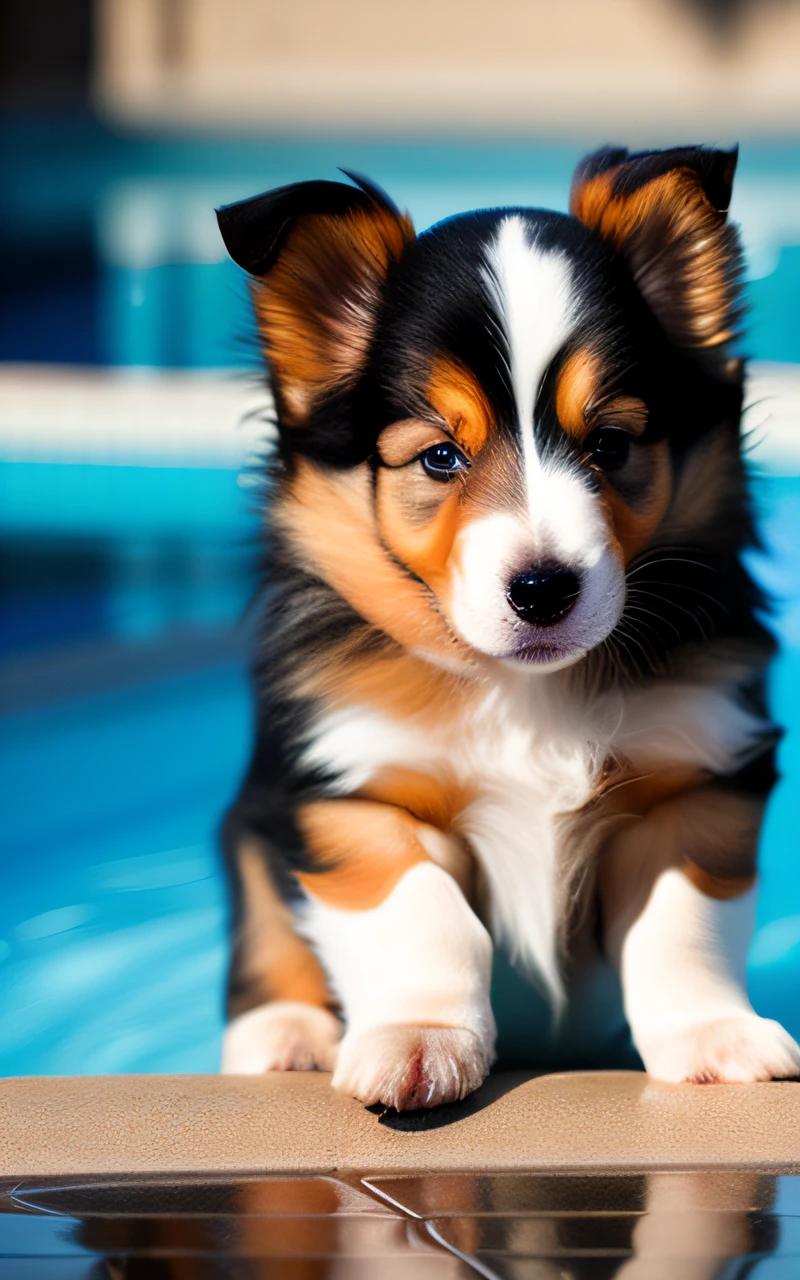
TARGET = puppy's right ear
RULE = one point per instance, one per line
(320, 253)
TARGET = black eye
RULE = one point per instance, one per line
(442, 461)
(609, 447)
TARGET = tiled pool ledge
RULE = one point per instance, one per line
(282, 1123)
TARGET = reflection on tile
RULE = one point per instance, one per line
(534, 1226)
(563, 1269)
(427, 1195)
(680, 1234)
(692, 1225)
(150, 1197)
(292, 1228)
(419, 1267)
(531, 1237)
(251, 1237)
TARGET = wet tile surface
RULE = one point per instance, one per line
(154, 1197)
(652, 1226)
(514, 1226)
(297, 1228)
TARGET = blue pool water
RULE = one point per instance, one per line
(114, 772)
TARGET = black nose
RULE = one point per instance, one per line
(543, 596)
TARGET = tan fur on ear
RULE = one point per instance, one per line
(316, 307)
(681, 251)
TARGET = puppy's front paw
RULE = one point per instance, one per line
(283, 1036)
(731, 1051)
(409, 1068)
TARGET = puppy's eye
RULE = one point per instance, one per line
(442, 461)
(609, 447)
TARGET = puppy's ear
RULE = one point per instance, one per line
(320, 253)
(665, 213)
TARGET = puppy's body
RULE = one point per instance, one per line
(510, 682)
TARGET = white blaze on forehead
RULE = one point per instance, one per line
(531, 289)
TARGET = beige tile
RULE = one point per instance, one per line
(286, 1122)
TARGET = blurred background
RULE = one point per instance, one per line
(131, 406)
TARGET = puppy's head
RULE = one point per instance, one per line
(523, 388)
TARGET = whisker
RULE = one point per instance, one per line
(639, 609)
(679, 586)
(627, 634)
(673, 604)
(648, 564)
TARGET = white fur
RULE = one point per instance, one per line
(531, 289)
(683, 972)
(421, 956)
(413, 977)
(529, 752)
(490, 551)
(356, 743)
(282, 1036)
(683, 723)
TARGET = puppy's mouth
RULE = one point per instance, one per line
(545, 655)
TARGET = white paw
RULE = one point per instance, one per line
(409, 1068)
(735, 1050)
(282, 1036)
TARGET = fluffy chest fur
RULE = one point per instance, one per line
(530, 758)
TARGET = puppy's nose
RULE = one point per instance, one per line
(544, 596)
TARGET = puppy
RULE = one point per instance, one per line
(509, 684)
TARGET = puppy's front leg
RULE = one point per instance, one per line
(408, 958)
(679, 934)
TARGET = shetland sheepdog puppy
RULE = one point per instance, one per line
(510, 679)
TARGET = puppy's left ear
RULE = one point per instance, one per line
(665, 213)
(320, 254)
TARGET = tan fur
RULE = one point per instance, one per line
(583, 401)
(316, 307)
(698, 308)
(455, 394)
(277, 964)
(360, 848)
(330, 522)
(576, 390)
(635, 796)
(722, 888)
(420, 519)
(401, 442)
(438, 800)
(709, 834)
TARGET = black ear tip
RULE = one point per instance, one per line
(600, 161)
(371, 189)
(248, 240)
(720, 172)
